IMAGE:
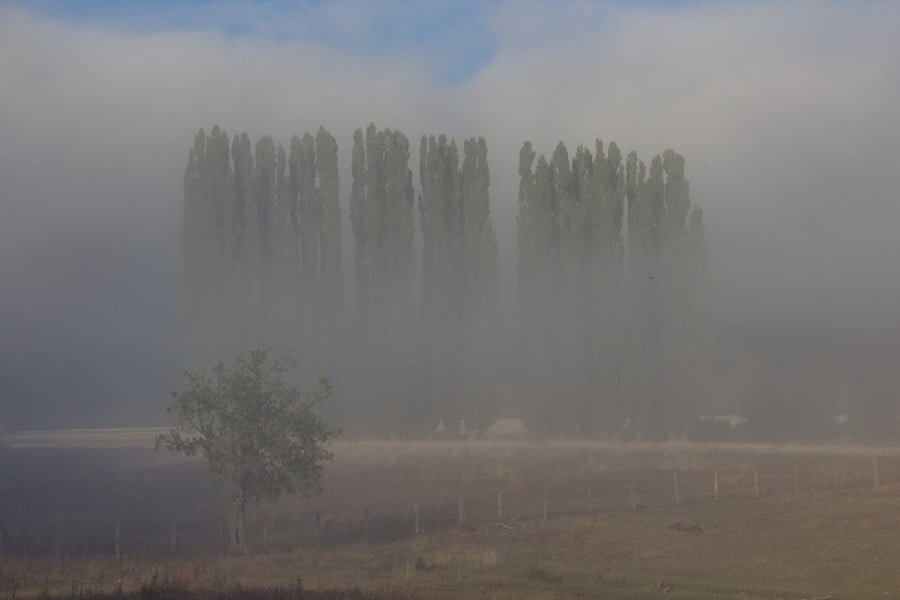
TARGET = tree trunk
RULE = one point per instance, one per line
(238, 543)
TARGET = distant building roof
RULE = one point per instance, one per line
(731, 420)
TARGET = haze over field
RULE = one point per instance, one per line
(788, 118)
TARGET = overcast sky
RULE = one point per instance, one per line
(788, 116)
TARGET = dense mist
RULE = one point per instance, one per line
(786, 117)
(612, 331)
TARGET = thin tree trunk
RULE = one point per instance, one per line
(238, 543)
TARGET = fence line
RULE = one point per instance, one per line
(686, 489)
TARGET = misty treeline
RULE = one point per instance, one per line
(611, 335)
(614, 298)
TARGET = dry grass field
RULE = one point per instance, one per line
(575, 520)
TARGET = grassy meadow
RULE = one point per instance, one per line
(466, 519)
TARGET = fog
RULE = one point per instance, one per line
(788, 118)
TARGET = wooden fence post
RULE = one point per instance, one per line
(415, 508)
(755, 482)
(500, 505)
(459, 506)
(631, 495)
(677, 496)
(118, 531)
(716, 486)
(545, 505)
(875, 471)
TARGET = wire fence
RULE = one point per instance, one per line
(470, 495)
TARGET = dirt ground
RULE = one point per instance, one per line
(503, 520)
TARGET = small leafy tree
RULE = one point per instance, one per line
(257, 433)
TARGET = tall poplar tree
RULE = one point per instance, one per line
(570, 298)
(571, 222)
(458, 279)
(247, 250)
(480, 241)
(649, 210)
(668, 342)
(358, 217)
(539, 279)
(303, 151)
(332, 283)
(208, 236)
(264, 190)
(440, 214)
(684, 293)
(383, 222)
(191, 236)
(283, 317)
(607, 291)
(481, 354)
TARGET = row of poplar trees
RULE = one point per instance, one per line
(262, 246)
(613, 302)
(614, 297)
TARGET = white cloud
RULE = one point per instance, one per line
(788, 117)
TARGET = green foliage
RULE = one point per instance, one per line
(480, 255)
(398, 222)
(381, 210)
(605, 342)
(358, 215)
(332, 283)
(256, 432)
(527, 258)
(255, 225)
(209, 235)
(459, 278)
(303, 169)
(440, 213)
(264, 189)
(248, 231)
